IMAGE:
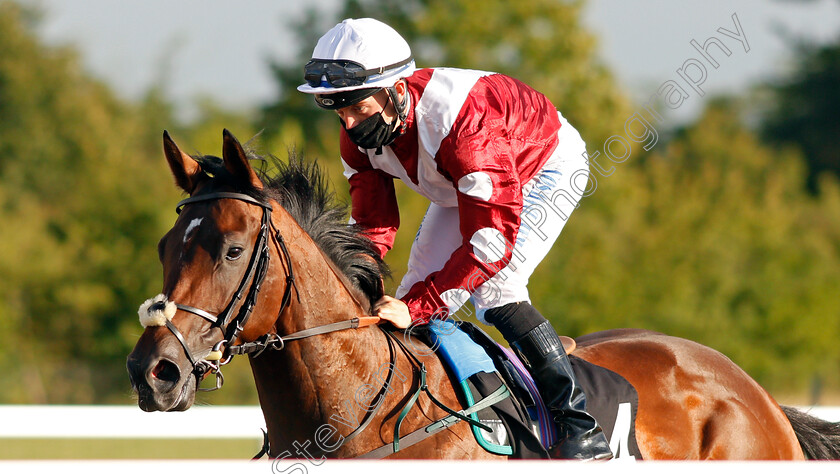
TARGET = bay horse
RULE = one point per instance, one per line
(268, 266)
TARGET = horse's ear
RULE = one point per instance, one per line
(237, 163)
(183, 166)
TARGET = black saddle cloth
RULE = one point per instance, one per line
(611, 399)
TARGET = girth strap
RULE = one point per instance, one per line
(431, 429)
(423, 387)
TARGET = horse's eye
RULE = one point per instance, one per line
(234, 253)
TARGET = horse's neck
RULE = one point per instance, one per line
(321, 295)
(306, 383)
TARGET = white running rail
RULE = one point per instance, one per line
(112, 421)
(117, 421)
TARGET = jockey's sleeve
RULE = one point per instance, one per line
(373, 198)
(490, 202)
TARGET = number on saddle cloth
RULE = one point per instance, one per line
(479, 376)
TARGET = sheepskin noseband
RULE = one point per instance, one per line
(156, 311)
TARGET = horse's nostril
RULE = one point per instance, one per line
(166, 371)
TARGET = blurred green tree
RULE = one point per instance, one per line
(81, 184)
(803, 109)
(711, 237)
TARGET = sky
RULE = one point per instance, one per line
(221, 48)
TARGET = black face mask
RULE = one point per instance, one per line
(372, 132)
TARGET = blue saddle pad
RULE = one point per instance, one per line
(458, 350)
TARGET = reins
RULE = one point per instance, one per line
(276, 342)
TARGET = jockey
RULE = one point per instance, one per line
(503, 171)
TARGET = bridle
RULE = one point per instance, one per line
(231, 327)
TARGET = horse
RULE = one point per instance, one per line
(267, 265)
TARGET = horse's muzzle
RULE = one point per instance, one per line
(160, 384)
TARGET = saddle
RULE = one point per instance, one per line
(520, 424)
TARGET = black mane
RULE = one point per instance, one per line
(301, 188)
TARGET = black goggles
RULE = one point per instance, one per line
(341, 73)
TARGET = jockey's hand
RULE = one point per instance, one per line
(392, 310)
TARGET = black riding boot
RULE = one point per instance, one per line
(539, 347)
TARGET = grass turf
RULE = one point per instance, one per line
(96, 448)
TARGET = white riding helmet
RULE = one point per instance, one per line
(357, 54)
